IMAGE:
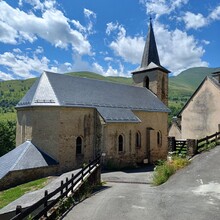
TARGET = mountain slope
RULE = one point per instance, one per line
(187, 81)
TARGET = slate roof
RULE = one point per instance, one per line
(150, 58)
(53, 89)
(25, 156)
(150, 50)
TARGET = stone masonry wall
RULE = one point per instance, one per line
(15, 178)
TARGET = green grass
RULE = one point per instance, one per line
(9, 195)
(166, 169)
(8, 116)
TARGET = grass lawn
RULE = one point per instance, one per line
(9, 195)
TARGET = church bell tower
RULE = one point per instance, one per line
(151, 74)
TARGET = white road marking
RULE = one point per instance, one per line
(137, 207)
(211, 189)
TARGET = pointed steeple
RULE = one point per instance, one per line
(150, 50)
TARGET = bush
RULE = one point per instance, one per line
(164, 170)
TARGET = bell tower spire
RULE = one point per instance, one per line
(151, 74)
(150, 53)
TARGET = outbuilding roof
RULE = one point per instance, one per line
(53, 89)
(25, 156)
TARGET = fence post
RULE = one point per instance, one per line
(45, 203)
(89, 166)
(66, 184)
(72, 181)
(207, 140)
(191, 147)
(61, 189)
(171, 144)
(82, 174)
(216, 137)
(18, 209)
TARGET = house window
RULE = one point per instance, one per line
(138, 139)
(78, 145)
(146, 82)
(159, 138)
(120, 143)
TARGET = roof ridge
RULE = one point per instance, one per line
(99, 80)
(21, 155)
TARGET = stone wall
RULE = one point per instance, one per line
(152, 124)
(201, 116)
(175, 131)
(55, 130)
(18, 177)
(158, 83)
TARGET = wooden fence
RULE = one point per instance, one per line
(201, 143)
(50, 200)
(181, 147)
(191, 146)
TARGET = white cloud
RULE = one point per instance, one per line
(180, 51)
(194, 21)
(161, 7)
(23, 66)
(53, 27)
(37, 5)
(129, 48)
(177, 52)
(111, 27)
(90, 17)
(5, 76)
(108, 59)
(215, 14)
(109, 71)
(7, 33)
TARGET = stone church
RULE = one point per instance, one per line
(200, 115)
(66, 121)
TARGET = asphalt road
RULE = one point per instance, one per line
(191, 194)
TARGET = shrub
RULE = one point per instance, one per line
(164, 170)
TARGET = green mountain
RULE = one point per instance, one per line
(187, 81)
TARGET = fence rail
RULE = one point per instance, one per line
(181, 146)
(201, 143)
(47, 202)
(190, 147)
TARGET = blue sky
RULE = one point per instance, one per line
(105, 36)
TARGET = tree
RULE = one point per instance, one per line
(7, 136)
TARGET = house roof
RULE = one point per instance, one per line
(212, 79)
(25, 156)
(118, 100)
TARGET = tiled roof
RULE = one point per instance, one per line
(25, 156)
(53, 89)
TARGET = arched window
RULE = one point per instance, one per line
(159, 138)
(138, 139)
(120, 143)
(78, 145)
(146, 82)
